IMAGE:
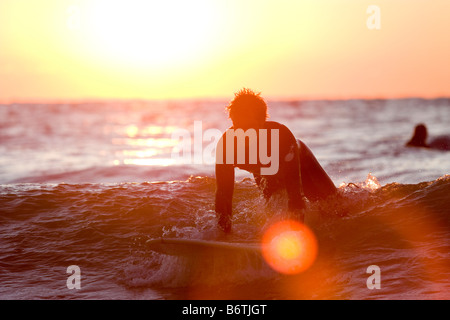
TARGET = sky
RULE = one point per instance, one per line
(176, 49)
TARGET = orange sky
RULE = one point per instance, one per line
(144, 49)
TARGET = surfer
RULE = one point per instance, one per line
(297, 170)
(420, 136)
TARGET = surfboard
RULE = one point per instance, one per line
(182, 246)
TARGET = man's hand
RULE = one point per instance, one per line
(223, 212)
(225, 223)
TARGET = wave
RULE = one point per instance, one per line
(404, 228)
(116, 174)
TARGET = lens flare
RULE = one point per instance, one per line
(289, 247)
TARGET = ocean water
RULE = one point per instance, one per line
(89, 183)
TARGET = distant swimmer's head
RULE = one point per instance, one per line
(247, 110)
(419, 137)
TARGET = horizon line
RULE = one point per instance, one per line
(214, 98)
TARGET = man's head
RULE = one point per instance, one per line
(420, 136)
(247, 110)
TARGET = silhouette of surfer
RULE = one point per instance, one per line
(298, 171)
(419, 139)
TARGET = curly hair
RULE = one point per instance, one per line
(247, 103)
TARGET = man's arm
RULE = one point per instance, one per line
(224, 195)
(293, 183)
(291, 172)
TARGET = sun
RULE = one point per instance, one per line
(149, 33)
